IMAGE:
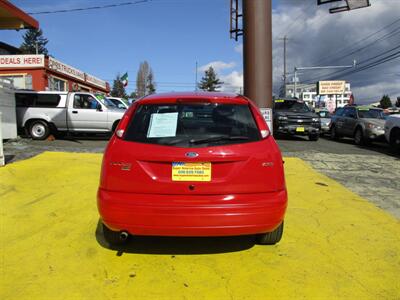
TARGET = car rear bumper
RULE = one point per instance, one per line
(192, 215)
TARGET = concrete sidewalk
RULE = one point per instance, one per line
(336, 245)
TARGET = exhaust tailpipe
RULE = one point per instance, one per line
(123, 235)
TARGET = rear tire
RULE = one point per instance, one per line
(395, 139)
(112, 237)
(39, 130)
(313, 137)
(270, 238)
(115, 125)
(334, 134)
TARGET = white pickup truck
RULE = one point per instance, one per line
(41, 113)
(392, 131)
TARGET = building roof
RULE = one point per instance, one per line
(8, 49)
(11, 17)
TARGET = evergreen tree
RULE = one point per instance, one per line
(145, 80)
(385, 102)
(398, 102)
(151, 89)
(210, 82)
(118, 89)
(33, 38)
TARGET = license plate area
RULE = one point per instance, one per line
(300, 129)
(184, 171)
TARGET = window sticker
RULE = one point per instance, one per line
(163, 125)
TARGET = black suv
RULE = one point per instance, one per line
(294, 117)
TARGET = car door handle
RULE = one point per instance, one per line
(74, 111)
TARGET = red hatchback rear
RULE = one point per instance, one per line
(192, 164)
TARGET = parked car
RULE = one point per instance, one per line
(192, 164)
(41, 113)
(294, 117)
(364, 124)
(392, 131)
(118, 102)
(325, 117)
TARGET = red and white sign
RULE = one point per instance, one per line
(331, 105)
(60, 67)
(21, 61)
(96, 81)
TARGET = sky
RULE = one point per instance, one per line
(172, 35)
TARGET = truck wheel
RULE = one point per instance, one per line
(395, 139)
(113, 237)
(39, 130)
(115, 125)
(334, 134)
(313, 137)
(270, 238)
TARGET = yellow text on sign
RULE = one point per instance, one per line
(182, 171)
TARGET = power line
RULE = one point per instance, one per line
(297, 18)
(89, 8)
(334, 54)
(366, 67)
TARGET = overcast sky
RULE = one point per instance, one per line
(172, 35)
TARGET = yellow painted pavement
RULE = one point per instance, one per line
(336, 245)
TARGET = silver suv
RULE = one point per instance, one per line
(364, 124)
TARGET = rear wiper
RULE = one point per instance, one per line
(217, 139)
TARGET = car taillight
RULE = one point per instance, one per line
(261, 124)
(120, 130)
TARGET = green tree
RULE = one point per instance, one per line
(118, 89)
(210, 82)
(34, 38)
(397, 104)
(385, 102)
(145, 84)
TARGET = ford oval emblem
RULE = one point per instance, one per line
(191, 154)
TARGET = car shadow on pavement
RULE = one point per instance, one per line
(380, 147)
(177, 245)
(76, 137)
(283, 137)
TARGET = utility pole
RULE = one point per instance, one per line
(284, 63)
(196, 79)
(257, 51)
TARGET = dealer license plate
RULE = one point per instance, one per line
(300, 129)
(182, 171)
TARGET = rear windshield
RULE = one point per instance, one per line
(37, 100)
(192, 125)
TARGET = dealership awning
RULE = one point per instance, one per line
(11, 17)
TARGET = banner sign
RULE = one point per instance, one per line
(60, 67)
(21, 61)
(96, 81)
(335, 87)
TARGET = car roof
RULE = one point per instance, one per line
(39, 92)
(213, 97)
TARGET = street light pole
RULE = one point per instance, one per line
(318, 68)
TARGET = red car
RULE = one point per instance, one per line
(192, 164)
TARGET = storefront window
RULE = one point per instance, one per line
(20, 81)
(57, 84)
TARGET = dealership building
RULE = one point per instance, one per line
(40, 73)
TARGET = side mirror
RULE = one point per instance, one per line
(98, 107)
